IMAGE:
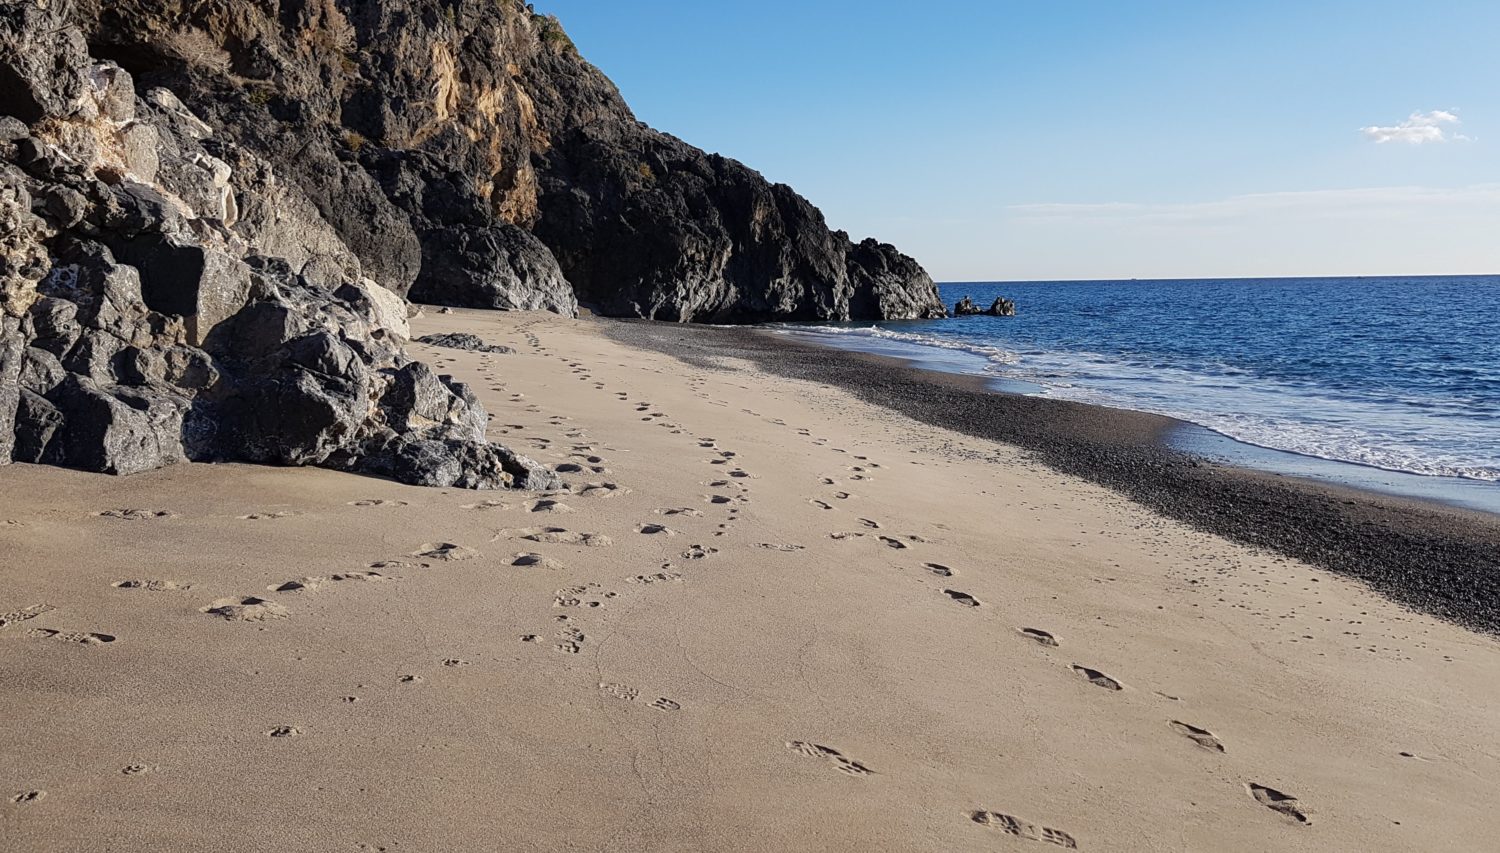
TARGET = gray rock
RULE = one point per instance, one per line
(463, 341)
(499, 266)
(142, 322)
(435, 135)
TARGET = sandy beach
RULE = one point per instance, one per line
(767, 615)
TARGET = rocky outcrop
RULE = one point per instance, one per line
(463, 341)
(165, 295)
(1001, 307)
(466, 154)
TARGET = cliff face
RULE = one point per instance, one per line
(466, 154)
(164, 296)
(210, 210)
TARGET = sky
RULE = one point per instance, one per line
(1094, 139)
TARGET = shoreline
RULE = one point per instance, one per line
(1435, 558)
(1192, 437)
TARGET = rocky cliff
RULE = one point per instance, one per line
(467, 155)
(165, 296)
(211, 212)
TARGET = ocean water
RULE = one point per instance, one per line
(1392, 374)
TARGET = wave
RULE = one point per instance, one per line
(992, 354)
(1428, 437)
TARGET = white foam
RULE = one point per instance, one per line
(1302, 419)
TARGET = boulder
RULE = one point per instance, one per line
(497, 266)
(142, 322)
(463, 341)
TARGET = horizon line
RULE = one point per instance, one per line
(1211, 278)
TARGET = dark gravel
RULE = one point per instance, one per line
(1436, 559)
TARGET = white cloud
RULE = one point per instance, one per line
(1418, 129)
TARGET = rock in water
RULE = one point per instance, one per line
(166, 296)
(466, 153)
(1001, 307)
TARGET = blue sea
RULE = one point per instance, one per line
(1389, 383)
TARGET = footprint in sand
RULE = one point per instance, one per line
(249, 609)
(313, 584)
(665, 704)
(152, 585)
(896, 544)
(284, 732)
(621, 691)
(833, 756)
(773, 546)
(680, 510)
(81, 638)
(136, 769)
(962, 597)
(820, 504)
(25, 613)
(377, 502)
(570, 641)
(870, 523)
(573, 596)
(446, 552)
(1039, 636)
(535, 561)
(26, 798)
(137, 514)
(655, 530)
(1284, 804)
(558, 536)
(1097, 678)
(845, 536)
(658, 577)
(939, 569)
(1202, 737)
(483, 505)
(698, 552)
(399, 564)
(269, 516)
(547, 505)
(1023, 829)
(602, 490)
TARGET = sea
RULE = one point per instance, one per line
(1384, 383)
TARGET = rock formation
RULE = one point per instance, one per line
(1001, 307)
(165, 295)
(211, 212)
(467, 155)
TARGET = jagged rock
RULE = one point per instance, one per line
(433, 135)
(463, 341)
(143, 323)
(497, 266)
(1001, 307)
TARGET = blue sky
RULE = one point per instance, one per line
(1088, 139)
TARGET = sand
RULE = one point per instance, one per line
(767, 617)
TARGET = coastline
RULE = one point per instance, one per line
(1432, 557)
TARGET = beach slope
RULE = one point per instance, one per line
(767, 615)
